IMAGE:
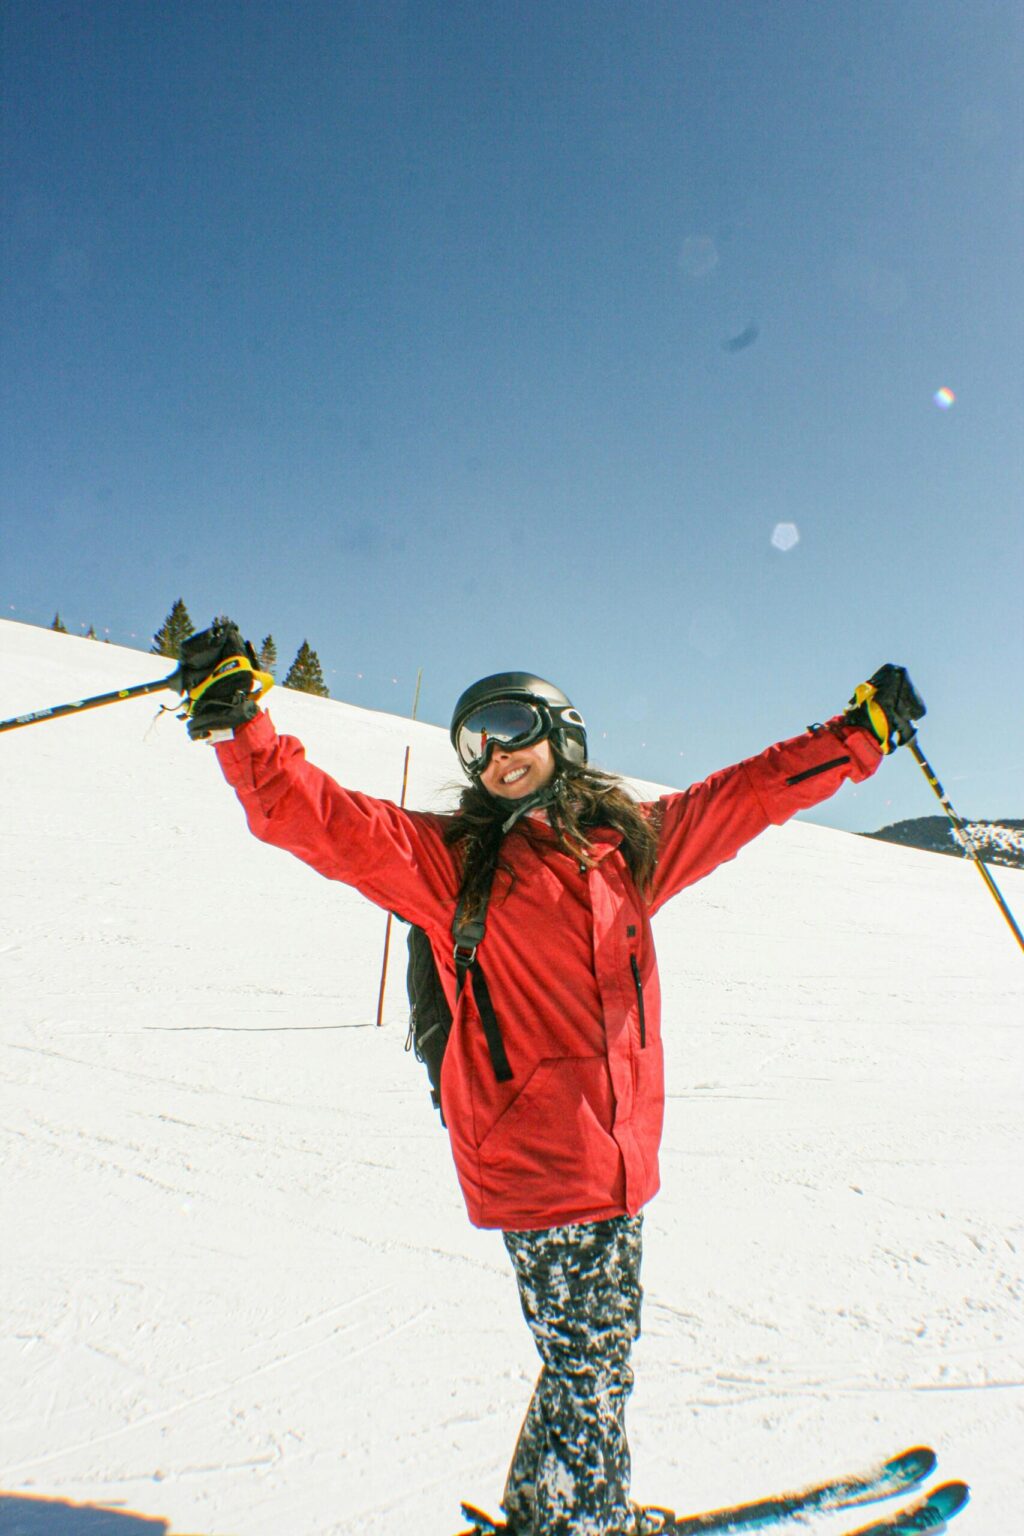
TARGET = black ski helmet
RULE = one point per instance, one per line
(568, 730)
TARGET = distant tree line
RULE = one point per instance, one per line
(62, 629)
(305, 673)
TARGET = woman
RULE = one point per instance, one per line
(552, 1089)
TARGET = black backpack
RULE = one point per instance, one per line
(430, 1018)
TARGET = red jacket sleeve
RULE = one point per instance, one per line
(395, 857)
(710, 822)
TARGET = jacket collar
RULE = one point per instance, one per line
(602, 840)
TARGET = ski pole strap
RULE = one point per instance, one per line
(864, 694)
(228, 668)
(468, 934)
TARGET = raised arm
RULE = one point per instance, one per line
(396, 858)
(709, 823)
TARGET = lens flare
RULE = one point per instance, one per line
(944, 398)
(785, 536)
(698, 256)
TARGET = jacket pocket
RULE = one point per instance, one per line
(638, 982)
(553, 1151)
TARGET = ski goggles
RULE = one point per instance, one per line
(506, 723)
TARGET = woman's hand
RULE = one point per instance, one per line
(218, 669)
(887, 705)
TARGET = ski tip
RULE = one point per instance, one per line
(940, 1505)
(920, 1459)
(932, 1512)
(950, 1497)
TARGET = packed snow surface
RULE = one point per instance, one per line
(240, 1294)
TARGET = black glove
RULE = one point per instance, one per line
(887, 705)
(224, 703)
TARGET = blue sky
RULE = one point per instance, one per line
(477, 336)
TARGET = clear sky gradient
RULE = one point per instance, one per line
(469, 336)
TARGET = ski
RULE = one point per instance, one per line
(897, 1475)
(480, 1524)
(884, 1481)
(930, 1513)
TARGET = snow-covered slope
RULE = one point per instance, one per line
(240, 1295)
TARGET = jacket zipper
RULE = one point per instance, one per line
(808, 773)
(638, 983)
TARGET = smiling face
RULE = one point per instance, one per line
(512, 775)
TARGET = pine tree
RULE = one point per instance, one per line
(305, 675)
(176, 627)
(268, 655)
(90, 633)
(59, 625)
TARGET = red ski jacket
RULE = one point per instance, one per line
(568, 957)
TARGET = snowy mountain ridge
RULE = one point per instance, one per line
(998, 842)
(241, 1295)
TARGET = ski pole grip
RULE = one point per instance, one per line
(230, 667)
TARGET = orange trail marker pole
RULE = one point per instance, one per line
(387, 928)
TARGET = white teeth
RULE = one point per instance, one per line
(514, 776)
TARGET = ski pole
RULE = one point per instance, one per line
(120, 694)
(387, 925)
(227, 668)
(967, 842)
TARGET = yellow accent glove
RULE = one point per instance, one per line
(887, 705)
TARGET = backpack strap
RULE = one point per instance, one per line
(468, 936)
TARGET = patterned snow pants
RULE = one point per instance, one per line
(581, 1296)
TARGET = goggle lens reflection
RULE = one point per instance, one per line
(505, 723)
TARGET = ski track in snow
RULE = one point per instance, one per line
(241, 1296)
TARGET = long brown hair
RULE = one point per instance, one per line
(584, 798)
